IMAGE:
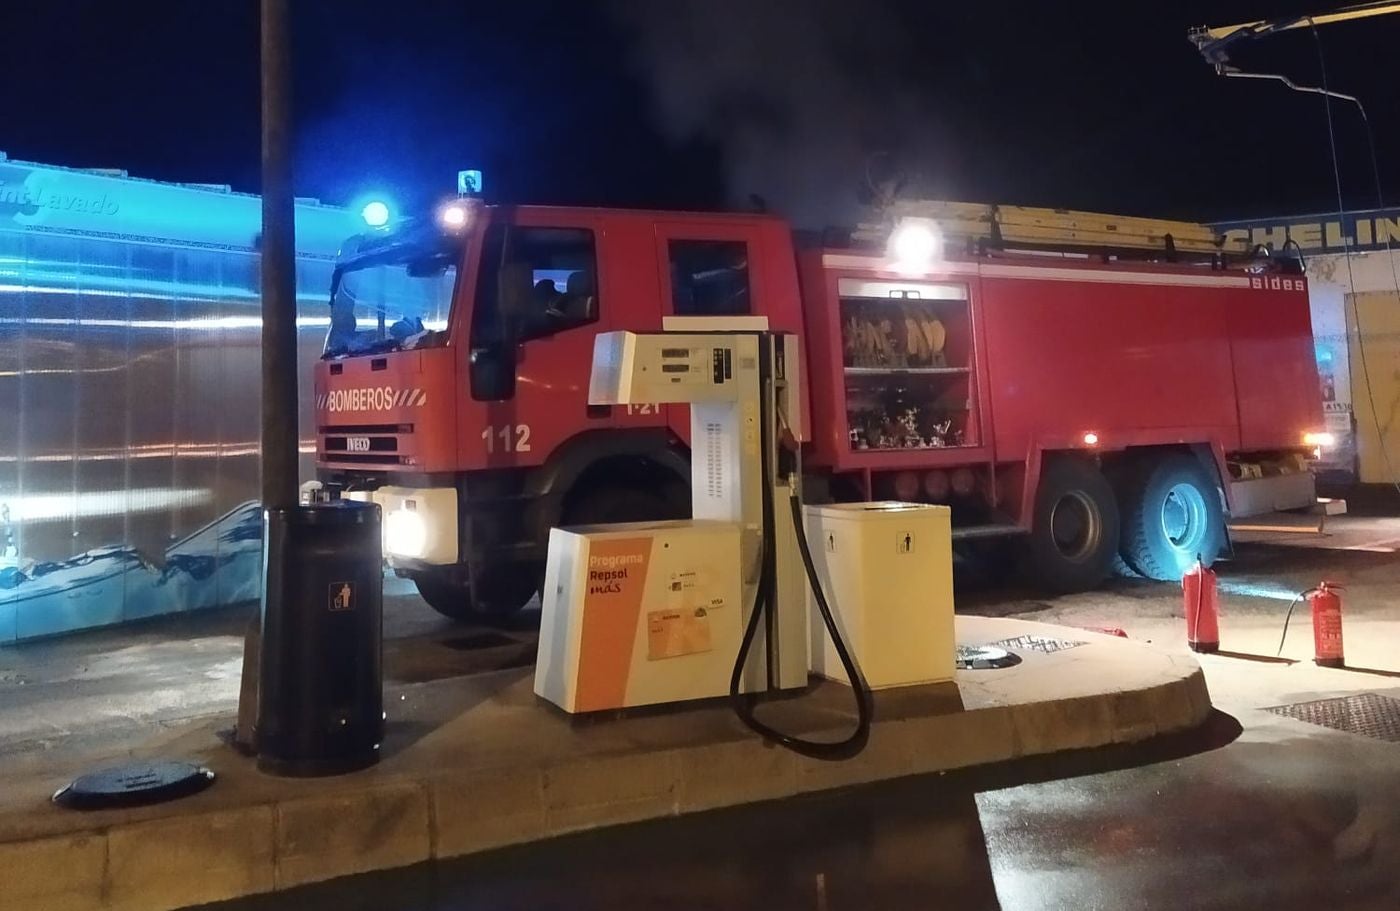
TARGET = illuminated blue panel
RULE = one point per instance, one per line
(130, 325)
(40, 197)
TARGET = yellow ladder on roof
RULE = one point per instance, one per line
(1027, 225)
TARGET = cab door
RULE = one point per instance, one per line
(554, 332)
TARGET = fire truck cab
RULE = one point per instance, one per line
(1091, 406)
(454, 385)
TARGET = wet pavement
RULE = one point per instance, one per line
(1280, 817)
(1254, 811)
(105, 689)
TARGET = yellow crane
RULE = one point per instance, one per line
(1029, 226)
(1215, 43)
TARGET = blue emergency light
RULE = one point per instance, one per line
(469, 183)
(375, 213)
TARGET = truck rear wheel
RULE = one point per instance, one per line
(1074, 534)
(497, 595)
(1172, 515)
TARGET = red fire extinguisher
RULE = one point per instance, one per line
(1326, 607)
(1201, 608)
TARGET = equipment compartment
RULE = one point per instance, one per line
(907, 361)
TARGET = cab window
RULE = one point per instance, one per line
(709, 277)
(563, 274)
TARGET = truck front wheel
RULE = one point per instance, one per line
(1172, 515)
(611, 504)
(1074, 535)
(497, 595)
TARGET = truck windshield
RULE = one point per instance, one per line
(398, 300)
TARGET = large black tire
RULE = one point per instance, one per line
(1074, 533)
(497, 595)
(1172, 514)
(612, 503)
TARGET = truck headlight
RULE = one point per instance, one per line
(420, 524)
(405, 533)
(1320, 440)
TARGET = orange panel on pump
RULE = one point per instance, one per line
(612, 606)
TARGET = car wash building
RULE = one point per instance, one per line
(1353, 265)
(130, 321)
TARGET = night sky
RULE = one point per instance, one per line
(700, 103)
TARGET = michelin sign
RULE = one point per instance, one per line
(1370, 229)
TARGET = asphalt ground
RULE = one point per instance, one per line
(1256, 809)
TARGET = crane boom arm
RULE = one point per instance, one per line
(1213, 42)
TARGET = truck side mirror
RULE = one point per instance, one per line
(492, 367)
(492, 371)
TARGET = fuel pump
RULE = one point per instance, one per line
(633, 614)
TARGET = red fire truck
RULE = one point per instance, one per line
(1101, 405)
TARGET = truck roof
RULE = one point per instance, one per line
(979, 229)
(972, 231)
(725, 216)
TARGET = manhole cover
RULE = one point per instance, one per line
(1367, 714)
(474, 641)
(133, 784)
(984, 658)
(1043, 644)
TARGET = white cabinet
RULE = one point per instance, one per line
(887, 570)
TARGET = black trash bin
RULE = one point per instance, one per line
(321, 685)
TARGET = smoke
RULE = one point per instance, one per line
(806, 99)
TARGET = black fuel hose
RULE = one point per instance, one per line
(764, 605)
